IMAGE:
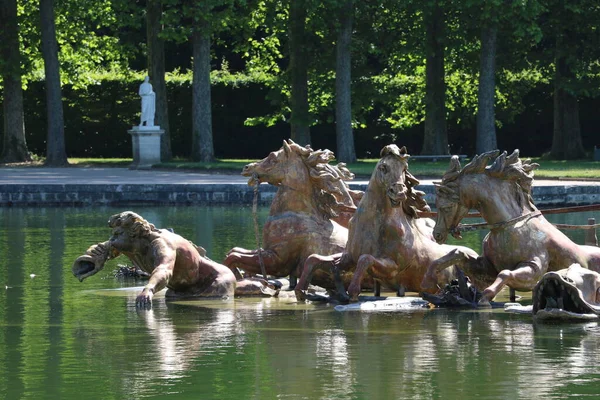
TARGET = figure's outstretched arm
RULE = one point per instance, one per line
(164, 263)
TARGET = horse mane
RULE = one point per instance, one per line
(506, 167)
(415, 201)
(321, 174)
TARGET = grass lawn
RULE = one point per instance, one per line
(579, 169)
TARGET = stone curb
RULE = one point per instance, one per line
(221, 194)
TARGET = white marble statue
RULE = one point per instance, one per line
(148, 103)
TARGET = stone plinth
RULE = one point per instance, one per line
(145, 141)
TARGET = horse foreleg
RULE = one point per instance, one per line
(592, 256)
(233, 256)
(454, 257)
(385, 267)
(312, 263)
(241, 250)
(250, 261)
(525, 275)
(479, 270)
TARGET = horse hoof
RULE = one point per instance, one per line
(484, 303)
(300, 296)
(343, 298)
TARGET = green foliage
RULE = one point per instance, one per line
(88, 35)
(102, 55)
(181, 17)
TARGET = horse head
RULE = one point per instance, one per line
(391, 172)
(507, 180)
(277, 166)
(450, 211)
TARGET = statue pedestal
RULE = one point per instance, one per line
(145, 142)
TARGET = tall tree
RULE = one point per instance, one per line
(486, 116)
(198, 22)
(202, 144)
(298, 70)
(55, 152)
(156, 71)
(14, 144)
(343, 87)
(436, 136)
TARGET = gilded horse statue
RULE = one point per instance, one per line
(522, 245)
(307, 215)
(387, 240)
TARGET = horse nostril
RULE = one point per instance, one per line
(397, 188)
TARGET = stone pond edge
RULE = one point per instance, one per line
(26, 195)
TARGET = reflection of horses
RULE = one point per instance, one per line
(303, 212)
(521, 246)
(386, 238)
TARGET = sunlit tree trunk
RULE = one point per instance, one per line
(435, 140)
(343, 86)
(55, 151)
(486, 118)
(298, 68)
(202, 146)
(156, 71)
(14, 147)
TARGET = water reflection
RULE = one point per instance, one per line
(60, 338)
(332, 355)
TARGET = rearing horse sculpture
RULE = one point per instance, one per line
(521, 245)
(301, 221)
(386, 237)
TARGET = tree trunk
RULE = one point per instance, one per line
(202, 144)
(566, 141)
(436, 135)
(14, 147)
(343, 85)
(156, 72)
(486, 118)
(55, 151)
(298, 68)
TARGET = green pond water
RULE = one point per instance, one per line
(62, 339)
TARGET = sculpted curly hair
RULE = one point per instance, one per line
(506, 167)
(134, 224)
(321, 173)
